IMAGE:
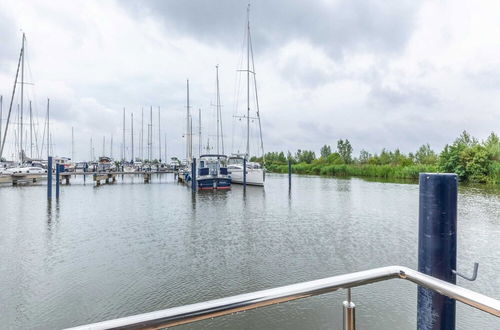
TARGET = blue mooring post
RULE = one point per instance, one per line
(193, 175)
(289, 174)
(58, 171)
(244, 172)
(49, 178)
(437, 248)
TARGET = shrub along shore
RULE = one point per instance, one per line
(471, 160)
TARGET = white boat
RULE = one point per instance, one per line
(25, 170)
(255, 174)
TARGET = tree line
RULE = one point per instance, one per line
(471, 159)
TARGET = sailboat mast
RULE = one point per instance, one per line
(248, 82)
(165, 150)
(141, 145)
(159, 137)
(217, 106)
(72, 144)
(111, 147)
(187, 122)
(12, 99)
(150, 151)
(1, 114)
(22, 97)
(123, 137)
(104, 145)
(48, 128)
(132, 134)
(199, 132)
(31, 132)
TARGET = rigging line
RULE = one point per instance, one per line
(256, 98)
(11, 100)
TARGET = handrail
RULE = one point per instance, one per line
(218, 307)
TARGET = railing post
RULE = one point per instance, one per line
(349, 313)
(437, 248)
(49, 178)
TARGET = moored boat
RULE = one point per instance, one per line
(213, 173)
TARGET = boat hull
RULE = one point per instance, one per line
(255, 177)
(214, 183)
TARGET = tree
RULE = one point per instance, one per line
(364, 156)
(425, 155)
(325, 151)
(467, 158)
(344, 148)
(305, 156)
(492, 144)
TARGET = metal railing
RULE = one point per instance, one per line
(219, 307)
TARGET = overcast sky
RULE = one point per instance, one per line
(392, 74)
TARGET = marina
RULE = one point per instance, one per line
(148, 182)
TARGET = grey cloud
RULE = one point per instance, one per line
(485, 78)
(346, 26)
(403, 94)
(9, 46)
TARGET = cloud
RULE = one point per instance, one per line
(338, 27)
(382, 74)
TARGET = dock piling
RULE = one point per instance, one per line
(49, 178)
(244, 172)
(193, 175)
(437, 248)
(289, 174)
(58, 179)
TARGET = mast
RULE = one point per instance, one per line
(1, 113)
(165, 150)
(199, 132)
(12, 99)
(187, 123)
(31, 132)
(141, 144)
(248, 82)
(22, 97)
(104, 145)
(150, 137)
(217, 105)
(48, 128)
(257, 102)
(159, 137)
(72, 144)
(111, 147)
(132, 134)
(123, 139)
(90, 153)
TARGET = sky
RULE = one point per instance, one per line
(383, 74)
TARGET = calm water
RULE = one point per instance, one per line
(130, 248)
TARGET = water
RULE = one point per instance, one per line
(129, 248)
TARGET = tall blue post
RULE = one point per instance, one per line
(58, 171)
(437, 248)
(244, 172)
(193, 175)
(49, 178)
(289, 173)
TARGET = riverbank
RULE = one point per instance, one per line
(409, 172)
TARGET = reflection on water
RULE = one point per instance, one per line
(127, 248)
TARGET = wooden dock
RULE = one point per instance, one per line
(98, 177)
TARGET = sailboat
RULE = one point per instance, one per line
(212, 168)
(255, 174)
(26, 164)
